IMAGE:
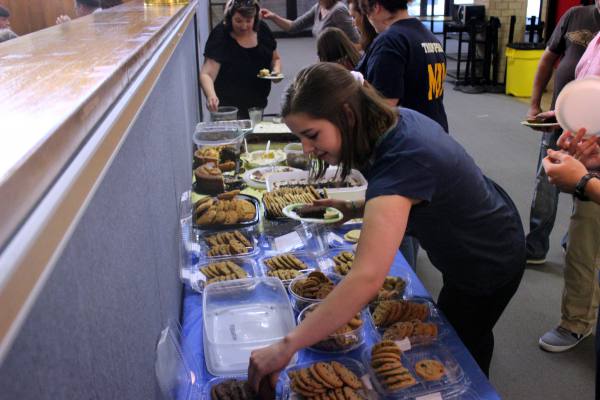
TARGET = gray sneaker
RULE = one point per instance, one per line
(561, 339)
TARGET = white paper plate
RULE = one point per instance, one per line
(262, 184)
(290, 213)
(540, 124)
(271, 77)
(577, 106)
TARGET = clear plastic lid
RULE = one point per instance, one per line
(242, 124)
(218, 136)
(240, 316)
(450, 384)
(176, 374)
(345, 339)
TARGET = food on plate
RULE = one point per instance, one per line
(209, 179)
(310, 211)
(352, 236)
(228, 244)
(260, 175)
(343, 262)
(323, 183)
(326, 380)
(316, 285)
(223, 271)
(344, 338)
(261, 158)
(232, 389)
(223, 156)
(224, 210)
(430, 370)
(386, 361)
(277, 200)
(389, 312)
(264, 72)
(414, 328)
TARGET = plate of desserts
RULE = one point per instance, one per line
(267, 74)
(311, 213)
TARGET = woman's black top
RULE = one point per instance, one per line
(237, 83)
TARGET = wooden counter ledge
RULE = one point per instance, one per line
(56, 84)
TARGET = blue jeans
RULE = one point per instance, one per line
(543, 205)
(409, 249)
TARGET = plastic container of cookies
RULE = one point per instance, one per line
(203, 277)
(241, 316)
(208, 247)
(209, 391)
(449, 384)
(303, 257)
(238, 225)
(433, 317)
(365, 390)
(342, 342)
(300, 302)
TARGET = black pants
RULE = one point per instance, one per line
(474, 317)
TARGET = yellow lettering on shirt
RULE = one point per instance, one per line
(437, 76)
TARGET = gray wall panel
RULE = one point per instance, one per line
(92, 331)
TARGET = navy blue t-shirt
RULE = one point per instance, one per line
(407, 62)
(467, 224)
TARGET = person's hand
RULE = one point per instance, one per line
(212, 103)
(583, 149)
(62, 19)
(276, 73)
(266, 364)
(533, 112)
(342, 205)
(267, 14)
(563, 170)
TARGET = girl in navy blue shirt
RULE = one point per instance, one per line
(421, 182)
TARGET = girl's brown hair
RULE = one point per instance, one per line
(333, 45)
(366, 30)
(329, 3)
(328, 91)
(246, 8)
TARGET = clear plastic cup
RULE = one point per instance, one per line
(225, 113)
(314, 238)
(256, 115)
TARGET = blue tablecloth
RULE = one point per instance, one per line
(480, 387)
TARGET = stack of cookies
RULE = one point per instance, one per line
(279, 199)
(343, 339)
(223, 271)
(414, 328)
(389, 312)
(224, 210)
(393, 288)
(326, 381)
(232, 389)
(316, 285)
(227, 244)
(343, 262)
(284, 266)
(386, 361)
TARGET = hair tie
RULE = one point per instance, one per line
(358, 77)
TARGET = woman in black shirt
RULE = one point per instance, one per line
(235, 52)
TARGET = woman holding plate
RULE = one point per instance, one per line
(420, 181)
(235, 53)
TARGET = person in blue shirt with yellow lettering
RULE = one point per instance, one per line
(405, 63)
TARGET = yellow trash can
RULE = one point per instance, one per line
(522, 63)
